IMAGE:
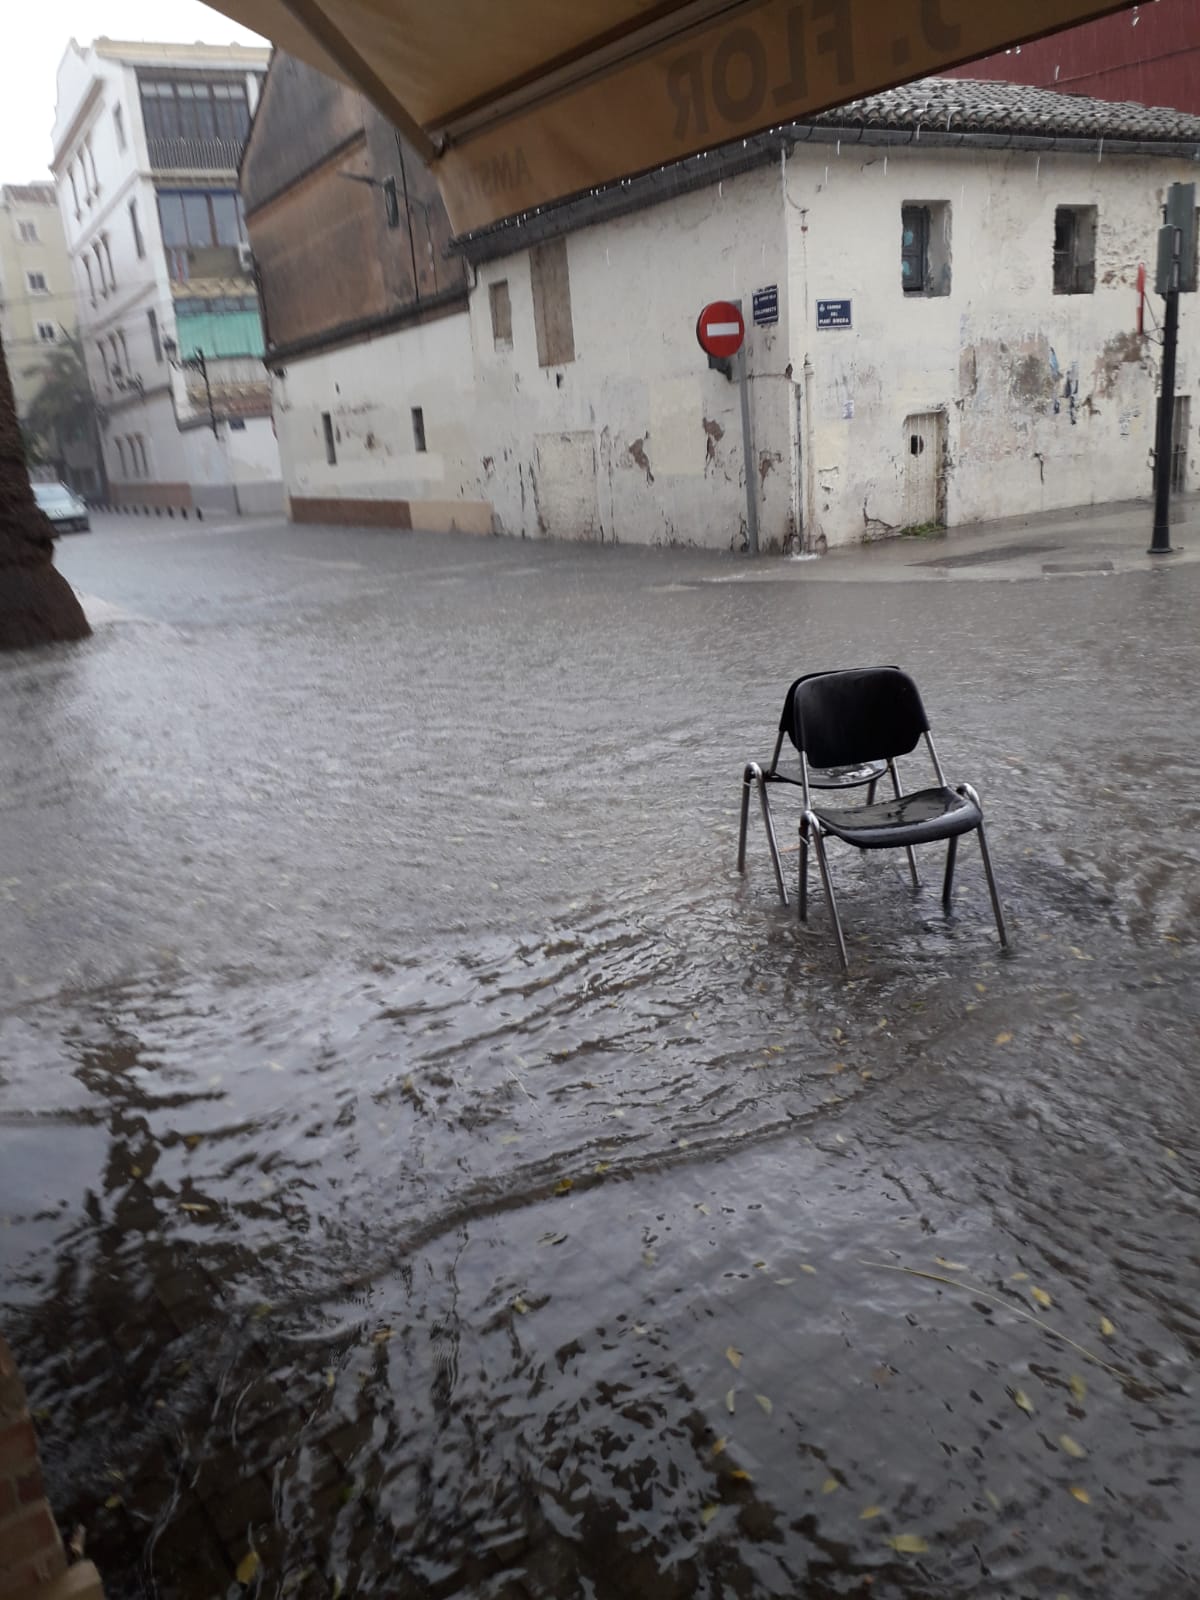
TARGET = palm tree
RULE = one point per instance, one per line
(63, 411)
(37, 604)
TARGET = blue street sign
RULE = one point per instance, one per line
(766, 305)
(833, 314)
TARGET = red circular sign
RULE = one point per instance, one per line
(720, 329)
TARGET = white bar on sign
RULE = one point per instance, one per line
(716, 329)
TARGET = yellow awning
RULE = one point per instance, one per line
(518, 103)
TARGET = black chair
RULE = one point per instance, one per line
(853, 776)
(843, 718)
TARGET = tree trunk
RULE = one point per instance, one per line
(37, 604)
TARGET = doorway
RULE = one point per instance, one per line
(924, 500)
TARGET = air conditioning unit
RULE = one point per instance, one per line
(246, 258)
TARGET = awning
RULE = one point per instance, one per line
(518, 103)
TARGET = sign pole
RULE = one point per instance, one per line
(1160, 543)
(747, 450)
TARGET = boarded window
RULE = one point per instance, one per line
(552, 303)
(501, 304)
(1075, 250)
(925, 247)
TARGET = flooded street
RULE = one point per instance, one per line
(431, 1170)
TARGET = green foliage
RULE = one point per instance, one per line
(64, 408)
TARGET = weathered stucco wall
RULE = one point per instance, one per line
(369, 391)
(636, 439)
(1046, 400)
(1026, 400)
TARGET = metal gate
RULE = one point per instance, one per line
(923, 468)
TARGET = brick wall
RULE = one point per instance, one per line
(32, 1562)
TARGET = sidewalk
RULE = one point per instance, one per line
(1086, 541)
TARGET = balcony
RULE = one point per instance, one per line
(181, 154)
(223, 262)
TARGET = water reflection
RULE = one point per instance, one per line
(429, 1167)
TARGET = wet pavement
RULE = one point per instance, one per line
(430, 1170)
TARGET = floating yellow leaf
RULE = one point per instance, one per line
(981, 988)
(1042, 1298)
(602, 1167)
(1019, 1277)
(136, 1171)
(868, 1512)
(262, 1311)
(247, 1567)
(839, 1066)
(1004, 1038)
(1106, 1328)
(733, 1356)
(382, 1336)
(764, 1403)
(113, 1501)
(1071, 1447)
(909, 1544)
(192, 1140)
(741, 1475)
(719, 1446)
(703, 1210)
(1078, 1388)
(830, 1485)
(783, 1282)
(330, 1377)
(564, 1186)
(993, 1499)
(193, 1205)
(1081, 1495)
(1076, 1039)
(950, 1266)
(804, 1267)
(707, 1513)
(729, 1401)
(520, 1307)
(648, 1258)
(1020, 1398)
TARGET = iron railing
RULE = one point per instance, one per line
(176, 152)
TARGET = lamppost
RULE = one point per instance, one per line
(194, 363)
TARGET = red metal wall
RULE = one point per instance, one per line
(1150, 53)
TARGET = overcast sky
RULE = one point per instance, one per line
(34, 47)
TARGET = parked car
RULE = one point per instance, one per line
(63, 506)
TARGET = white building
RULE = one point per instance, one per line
(147, 139)
(951, 271)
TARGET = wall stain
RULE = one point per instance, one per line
(766, 460)
(1122, 350)
(636, 451)
(715, 433)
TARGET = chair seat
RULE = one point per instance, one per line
(833, 777)
(912, 819)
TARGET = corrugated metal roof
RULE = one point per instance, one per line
(972, 105)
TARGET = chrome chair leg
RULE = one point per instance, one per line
(991, 883)
(871, 791)
(748, 776)
(827, 884)
(972, 795)
(772, 842)
(803, 871)
(908, 849)
(948, 880)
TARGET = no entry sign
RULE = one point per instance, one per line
(720, 329)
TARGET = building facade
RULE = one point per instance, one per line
(1149, 53)
(939, 288)
(147, 139)
(37, 300)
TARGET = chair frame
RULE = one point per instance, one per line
(868, 774)
(813, 833)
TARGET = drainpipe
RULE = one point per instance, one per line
(806, 452)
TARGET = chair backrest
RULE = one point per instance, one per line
(840, 719)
